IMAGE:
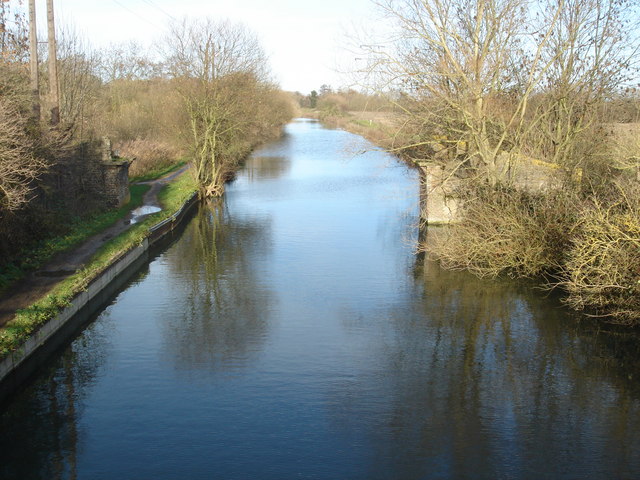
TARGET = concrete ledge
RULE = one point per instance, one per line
(438, 202)
(20, 364)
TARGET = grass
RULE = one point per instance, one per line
(365, 123)
(158, 173)
(28, 320)
(80, 229)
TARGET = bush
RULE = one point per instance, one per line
(20, 164)
(602, 271)
(150, 156)
(506, 231)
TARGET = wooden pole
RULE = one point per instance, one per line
(53, 66)
(33, 60)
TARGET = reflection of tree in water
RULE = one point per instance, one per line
(267, 167)
(481, 379)
(39, 434)
(224, 315)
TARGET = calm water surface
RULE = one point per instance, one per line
(290, 332)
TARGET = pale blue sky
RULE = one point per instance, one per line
(301, 37)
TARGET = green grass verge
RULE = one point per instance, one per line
(80, 229)
(28, 320)
(155, 174)
(365, 123)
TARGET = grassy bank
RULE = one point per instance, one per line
(30, 319)
(158, 172)
(80, 229)
(383, 129)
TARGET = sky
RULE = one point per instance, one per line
(302, 38)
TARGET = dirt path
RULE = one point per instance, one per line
(37, 284)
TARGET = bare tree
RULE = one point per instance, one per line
(14, 34)
(491, 80)
(14, 55)
(127, 61)
(591, 52)
(457, 62)
(488, 83)
(206, 50)
(217, 67)
(78, 80)
(19, 166)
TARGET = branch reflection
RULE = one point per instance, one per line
(224, 319)
(39, 432)
(486, 379)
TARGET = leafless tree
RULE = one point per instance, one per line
(592, 53)
(218, 67)
(127, 61)
(14, 34)
(206, 50)
(78, 80)
(483, 79)
(19, 165)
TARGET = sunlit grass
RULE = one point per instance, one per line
(28, 320)
(159, 172)
(80, 230)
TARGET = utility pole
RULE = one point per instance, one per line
(33, 60)
(53, 66)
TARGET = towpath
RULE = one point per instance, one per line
(37, 284)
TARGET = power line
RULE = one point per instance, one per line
(137, 14)
(149, 2)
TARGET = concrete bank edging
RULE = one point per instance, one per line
(103, 282)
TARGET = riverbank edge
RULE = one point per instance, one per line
(437, 207)
(577, 300)
(17, 365)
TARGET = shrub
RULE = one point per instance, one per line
(506, 231)
(602, 271)
(150, 156)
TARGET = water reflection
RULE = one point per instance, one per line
(137, 213)
(485, 379)
(223, 316)
(266, 167)
(39, 432)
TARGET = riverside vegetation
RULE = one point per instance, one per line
(477, 89)
(207, 100)
(583, 241)
(485, 88)
(26, 321)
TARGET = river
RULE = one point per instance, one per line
(291, 332)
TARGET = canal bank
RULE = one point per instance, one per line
(47, 336)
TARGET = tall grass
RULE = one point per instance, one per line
(152, 158)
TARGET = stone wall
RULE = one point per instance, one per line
(84, 179)
(116, 183)
(530, 174)
(115, 175)
(439, 203)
